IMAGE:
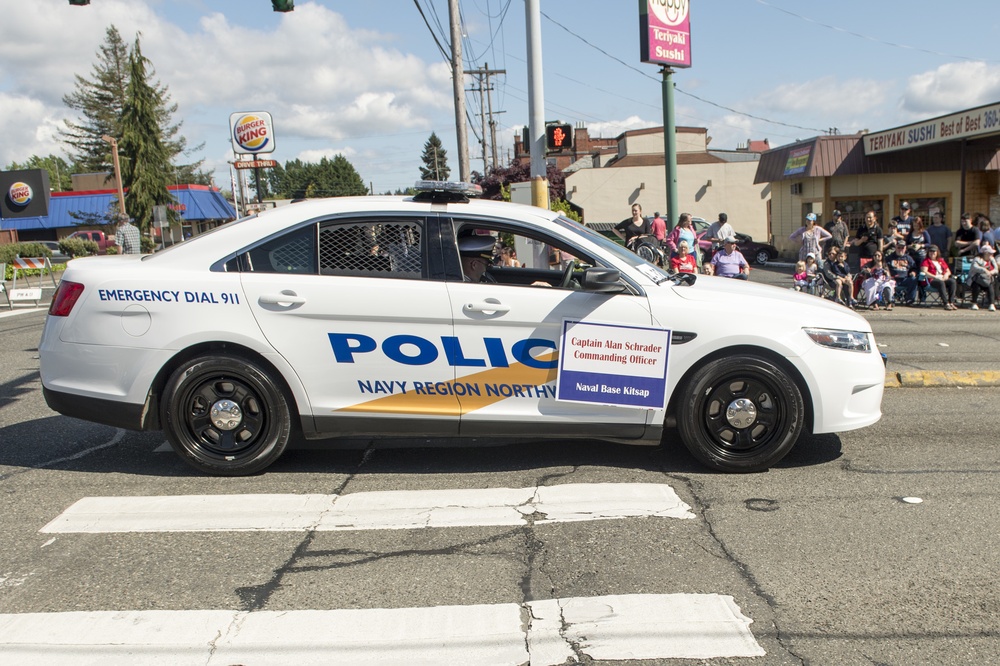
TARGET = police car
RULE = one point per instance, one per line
(444, 316)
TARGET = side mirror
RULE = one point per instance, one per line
(602, 280)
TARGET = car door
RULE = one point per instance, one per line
(346, 303)
(509, 337)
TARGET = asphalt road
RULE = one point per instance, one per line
(822, 553)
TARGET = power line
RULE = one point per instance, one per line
(873, 39)
(700, 99)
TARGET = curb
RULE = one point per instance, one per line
(940, 379)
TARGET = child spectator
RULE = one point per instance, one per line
(801, 276)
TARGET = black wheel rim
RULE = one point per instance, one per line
(239, 434)
(743, 414)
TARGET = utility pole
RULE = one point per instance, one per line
(483, 79)
(458, 88)
(536, 105)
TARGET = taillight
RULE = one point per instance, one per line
(65, 298)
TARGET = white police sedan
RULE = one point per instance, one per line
(443, 317)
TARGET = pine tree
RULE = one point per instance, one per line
(101, 100)
(435, 160)
(60, 171)
(145, 161)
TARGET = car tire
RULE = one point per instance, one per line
(729, 390)
(762, 257)
(249, 433)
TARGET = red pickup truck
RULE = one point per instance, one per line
(103, 240)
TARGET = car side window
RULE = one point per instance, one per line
(372, 248)
(294, 252)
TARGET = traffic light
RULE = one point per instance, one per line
(558, 137)
(283, 5)
(79, 3)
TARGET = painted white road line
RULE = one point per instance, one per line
(668, 626)
(398, 509)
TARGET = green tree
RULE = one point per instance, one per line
(435, 160)
(60, 171)
(100, 100)
(145, 160)
(335, 177)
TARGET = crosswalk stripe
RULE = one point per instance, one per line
(668, 626)
(397, 509)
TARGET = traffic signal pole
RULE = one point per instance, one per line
(536, 106)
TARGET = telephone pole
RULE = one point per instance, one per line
(483, 79)
(458, 88)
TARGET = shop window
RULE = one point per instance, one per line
(854, 211)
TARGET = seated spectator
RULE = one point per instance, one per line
(983, 277)
(683, 261)
(730, 262)
(939, 277)
(878, 285)
(903, 269)
(838, 276)
(800, 277)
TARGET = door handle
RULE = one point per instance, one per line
(285, 298)
(489, 306)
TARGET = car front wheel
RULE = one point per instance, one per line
(224, 415)
(740, 414)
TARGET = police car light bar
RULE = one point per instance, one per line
(443, 190)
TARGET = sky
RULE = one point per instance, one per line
(367, 80)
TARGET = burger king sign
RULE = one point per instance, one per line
(20, 193)
(252, 132)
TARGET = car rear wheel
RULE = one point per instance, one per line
(225, 416)
(762, 257)
(740, 414)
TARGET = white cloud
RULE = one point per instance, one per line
(950, 88)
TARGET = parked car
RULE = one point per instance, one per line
(58, 256)
(103, 240)
(755, 252)
(375, 317)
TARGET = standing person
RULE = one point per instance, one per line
(901, 224)
(968, 237)
(918, 240)
(730, 262)
(869, 239)
(990, 235)
(838, 230)
(659, 228)
(811, 236)
(684, 231)
(983, 277)
(939, 277)
(633, 226)
(939, 233)
(719, 231)
(127, 236)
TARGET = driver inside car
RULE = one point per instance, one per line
(477, 255)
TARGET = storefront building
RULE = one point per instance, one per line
(942, 167)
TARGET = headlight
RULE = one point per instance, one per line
(848, 340)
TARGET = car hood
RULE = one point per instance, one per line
(738, 299)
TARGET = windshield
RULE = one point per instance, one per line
(630, 258)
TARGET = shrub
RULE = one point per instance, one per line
(78, 247)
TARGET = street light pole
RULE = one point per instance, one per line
(118, 172)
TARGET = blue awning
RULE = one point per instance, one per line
(195, 203)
